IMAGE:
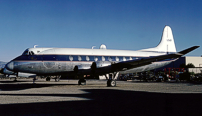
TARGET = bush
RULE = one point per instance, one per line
(184, 76)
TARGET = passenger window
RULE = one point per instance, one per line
(131, 58)
(79, 58)
(103, 58)
(87, 58)
(71, 58)
(117, 58)
(96, 58)
(110, 58)
(124, 58)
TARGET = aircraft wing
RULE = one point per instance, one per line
(145, 61)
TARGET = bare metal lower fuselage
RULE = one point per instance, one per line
(54, 68)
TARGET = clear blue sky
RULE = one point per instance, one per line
(119, 24)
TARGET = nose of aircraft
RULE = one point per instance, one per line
(8, 72)
(4, 71)
(10, 66)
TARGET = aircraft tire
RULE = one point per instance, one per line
(47, 78)
(82, 82)
(111, 83)
(15, 80)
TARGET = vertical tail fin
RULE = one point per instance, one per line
(167, 43)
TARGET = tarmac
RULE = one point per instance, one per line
(96, 99)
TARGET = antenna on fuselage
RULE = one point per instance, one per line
(35, 46)
(103, 47)
(93, 47)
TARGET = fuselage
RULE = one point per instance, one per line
(48, 61)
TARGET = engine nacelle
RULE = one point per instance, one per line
(100, 64)
(94, 68)
(82, 68)
(101, 67)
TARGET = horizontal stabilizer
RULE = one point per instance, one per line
(188, 50)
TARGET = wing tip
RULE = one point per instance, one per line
(188, 50)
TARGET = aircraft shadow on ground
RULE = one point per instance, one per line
(104, 102)
(11, 81)
(16, 87)
(188, 83)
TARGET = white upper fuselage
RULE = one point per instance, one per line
(92, 52)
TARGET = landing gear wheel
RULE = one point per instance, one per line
(57, 79)
(111, 83)
(47, 78)
(82, 82)
(15, 80)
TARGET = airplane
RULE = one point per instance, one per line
(95, 62)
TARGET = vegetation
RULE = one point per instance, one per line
(189, 65)
(184, 76)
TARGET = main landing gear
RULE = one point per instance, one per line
(57, 78)
(111, 79)
(111, 83)
(82, 82)
(48, 78)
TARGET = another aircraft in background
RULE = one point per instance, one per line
(95, 62)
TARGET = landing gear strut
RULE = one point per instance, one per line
(34, 79)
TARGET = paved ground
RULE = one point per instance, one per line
(95, 98)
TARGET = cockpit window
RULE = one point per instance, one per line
(26, 52)
(31, 53)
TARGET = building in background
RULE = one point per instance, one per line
(183, 61)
